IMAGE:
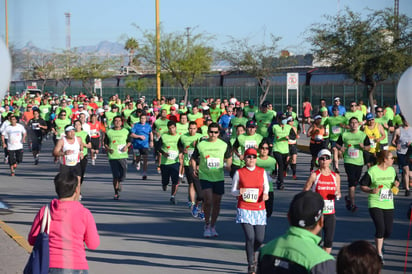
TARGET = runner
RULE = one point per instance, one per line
(13, 137)
(211, 154)
(387, 127)
(169, 162)
(316, 132)
(117, 145)
(250, 185)
(293, 150)
(307, 108)
(263, 119)
(381, 182)
(95, 134)
(186, 145)
(36, 127)
(376, 134)
(236, 162)
(352, 144)
(79, 132)
(142, 139)
(70, 148)
(327, 184)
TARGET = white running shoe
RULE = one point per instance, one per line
(207, 233)
(213, 232)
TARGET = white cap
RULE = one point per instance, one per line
(324, 152)
(317, 117)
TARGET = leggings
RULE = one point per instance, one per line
(281, 160)
(269, 205)
(383, 220)
(83, 165)
(254, 236)
(328, 229)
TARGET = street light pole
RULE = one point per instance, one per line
(157, 51)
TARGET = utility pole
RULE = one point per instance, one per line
(7, 24)
(158, 93)
(68, 37)
(396, 13)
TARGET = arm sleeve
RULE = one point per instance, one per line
(265, 183)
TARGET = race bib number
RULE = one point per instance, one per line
(250, 195)
(336, 129)
(172, 155)
(45, 110)
(35, 126)
(72, 159)
(250, 144)
(93, 132)
(385, 195)
(329, 207)
(373, 143)
(213, 163)
(353, 153)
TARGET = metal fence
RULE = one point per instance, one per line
(385, 93)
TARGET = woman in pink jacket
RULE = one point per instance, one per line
(71, 227)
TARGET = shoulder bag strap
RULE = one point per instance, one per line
(46, 220)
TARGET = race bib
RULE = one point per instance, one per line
(336, 129)
(329, 207)
(318, 137)
(250, 195)
(93, 132)
(35, 126)
(45, 110)
(190, 153)
(213, 163)
(373, 143)
(385, 195)
(172, 155)
(72, 159)
(120, 148)
(250, 144)
(353, 153)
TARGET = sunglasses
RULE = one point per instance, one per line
(214, 132)
(379, 111)
(324, 158)
(251, 157)
(353, 105)
(265, 148)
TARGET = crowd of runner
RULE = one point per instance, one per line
(195, 141)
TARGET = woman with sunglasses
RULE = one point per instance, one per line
(250, 185)
(327, 184)
(269, 164)
(381, 182)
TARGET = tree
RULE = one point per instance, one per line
(91, 67)
(131, 46)
(257, 60)
(183, 56)
(42, 67)
(370, 49)
(65, 62)
(137, 85)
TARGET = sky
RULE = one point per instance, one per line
(42, 22)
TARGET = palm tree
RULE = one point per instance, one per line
(131, 45)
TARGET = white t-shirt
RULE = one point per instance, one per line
(14, 136)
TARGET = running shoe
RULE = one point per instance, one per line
(138, 166)
(195, 211)
(285, 174)
(201, 216)
(354, 208)
(407, 192)
(280, 186)
(173, 200)
(93, 162)
(164, 187)
(294, 177)
(214, 232)
(207, 233)
(12, 173)
(348, 203)
(189, 204)
(144, 177)
(116, 197)
(251, 269)
(381, 257)
(36, 161)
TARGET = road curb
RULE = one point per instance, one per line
(20, 240)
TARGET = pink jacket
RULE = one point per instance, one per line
(71, 226)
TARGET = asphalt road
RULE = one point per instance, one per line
(143, 233)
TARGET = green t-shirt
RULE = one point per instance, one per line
(382, 121)
(169, 145)
(327, 132)
(249, 141)
(182, 128)
(397, 120)
(60, 125)
(194, 117)
(187, 141)
(211, 160)
(263, 121)
(235, 159)
(235, 121)
(358, 114)
(353, 154)
(117, 140)
(67, 109)
(203, 130)
(389, 113)
(269, 165)
(215, 113)
(161, 126)
(109, 117)
(83, 135)
(382, 179)
(250, 112)
(45, 111)
(335, 130)
(280, 142)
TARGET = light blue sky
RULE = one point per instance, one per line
(43, 23)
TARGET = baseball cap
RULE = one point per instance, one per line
(251, 123)
(69, 128)
(369, 116)
(155, 109)
(250, 151)
(336, 99)
(172, 108)
(324, 152)
(237, 103)
(317, 117)
(81, 106)
(305, 209)
(99, 110)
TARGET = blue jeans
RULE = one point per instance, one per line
(67, 271)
